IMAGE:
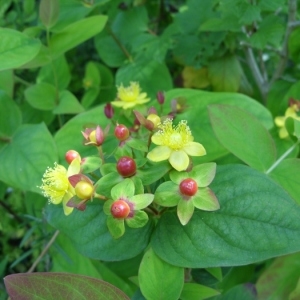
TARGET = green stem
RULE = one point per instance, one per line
(20, 80)
(282, 157)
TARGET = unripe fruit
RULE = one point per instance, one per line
(155, 119)
(188, 187)
(126, 166)
(121, 132)
(84, 190)
(71, 155)
(120, 209)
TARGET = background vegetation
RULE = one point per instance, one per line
(60, 63)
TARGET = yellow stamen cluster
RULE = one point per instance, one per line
(55, 183)
(130, 96)
(175, 137)
(130, 93)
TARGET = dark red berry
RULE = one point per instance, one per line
(188, 187)
(126, 166)
(121, 132)
(120, 209)
(71, 155)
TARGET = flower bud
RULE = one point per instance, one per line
(84, 190)
(93, 136)
(108, 111)
(155, 119)
(71, 155)
(160, 97)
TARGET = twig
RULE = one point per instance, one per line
(282, 157)
(45, 250)
(124, 50)
(284, 52)
(261, 83)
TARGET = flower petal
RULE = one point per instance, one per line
(185, 210)
(67, 209)
(159, 153)
(179, 160)
(157, 139)
(283, 133)
(194, 149)
(279, 121)
(74, 167)
(205, 199)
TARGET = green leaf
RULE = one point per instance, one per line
(205, 199)
(10, 116)
(293, 45)
(16, 48)
(90, 96)
(65, 259)
(225, 74)
(141, 201)
(242, 291)
(288, 176)
(109, 50)
(137, 144)
(76, 33)
(257, 220)
(60, 286)
(90, 164)
(185, 210)
(91, 76)
(279, 278)
(49, 11)
(24, 160)
(139, 219)
(42, 58)
(198, 119)
(7, 82)
(107, 182)
(193, 291)
(167, 194)
(231, 125)
(92, 238)
(124, 189)
(158, 279)
(250, 14)
(115, 226)
(141, 70)
(153, 173)
(271, 31)
(57, 73)
(130, 23)
(41, 96)
(68, 104)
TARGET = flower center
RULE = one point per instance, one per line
(175, 137)
(129, 94)
(55, 183)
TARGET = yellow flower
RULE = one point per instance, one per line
(280, 121)
(175, 143)
(130, 96)
(56, 186)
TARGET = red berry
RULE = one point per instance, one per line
(126, 166)
(188, 187)
(120, 209)
(71, 155)
(121, 132)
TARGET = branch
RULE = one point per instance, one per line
(284, 52)
(259, 79)
(45, 250)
